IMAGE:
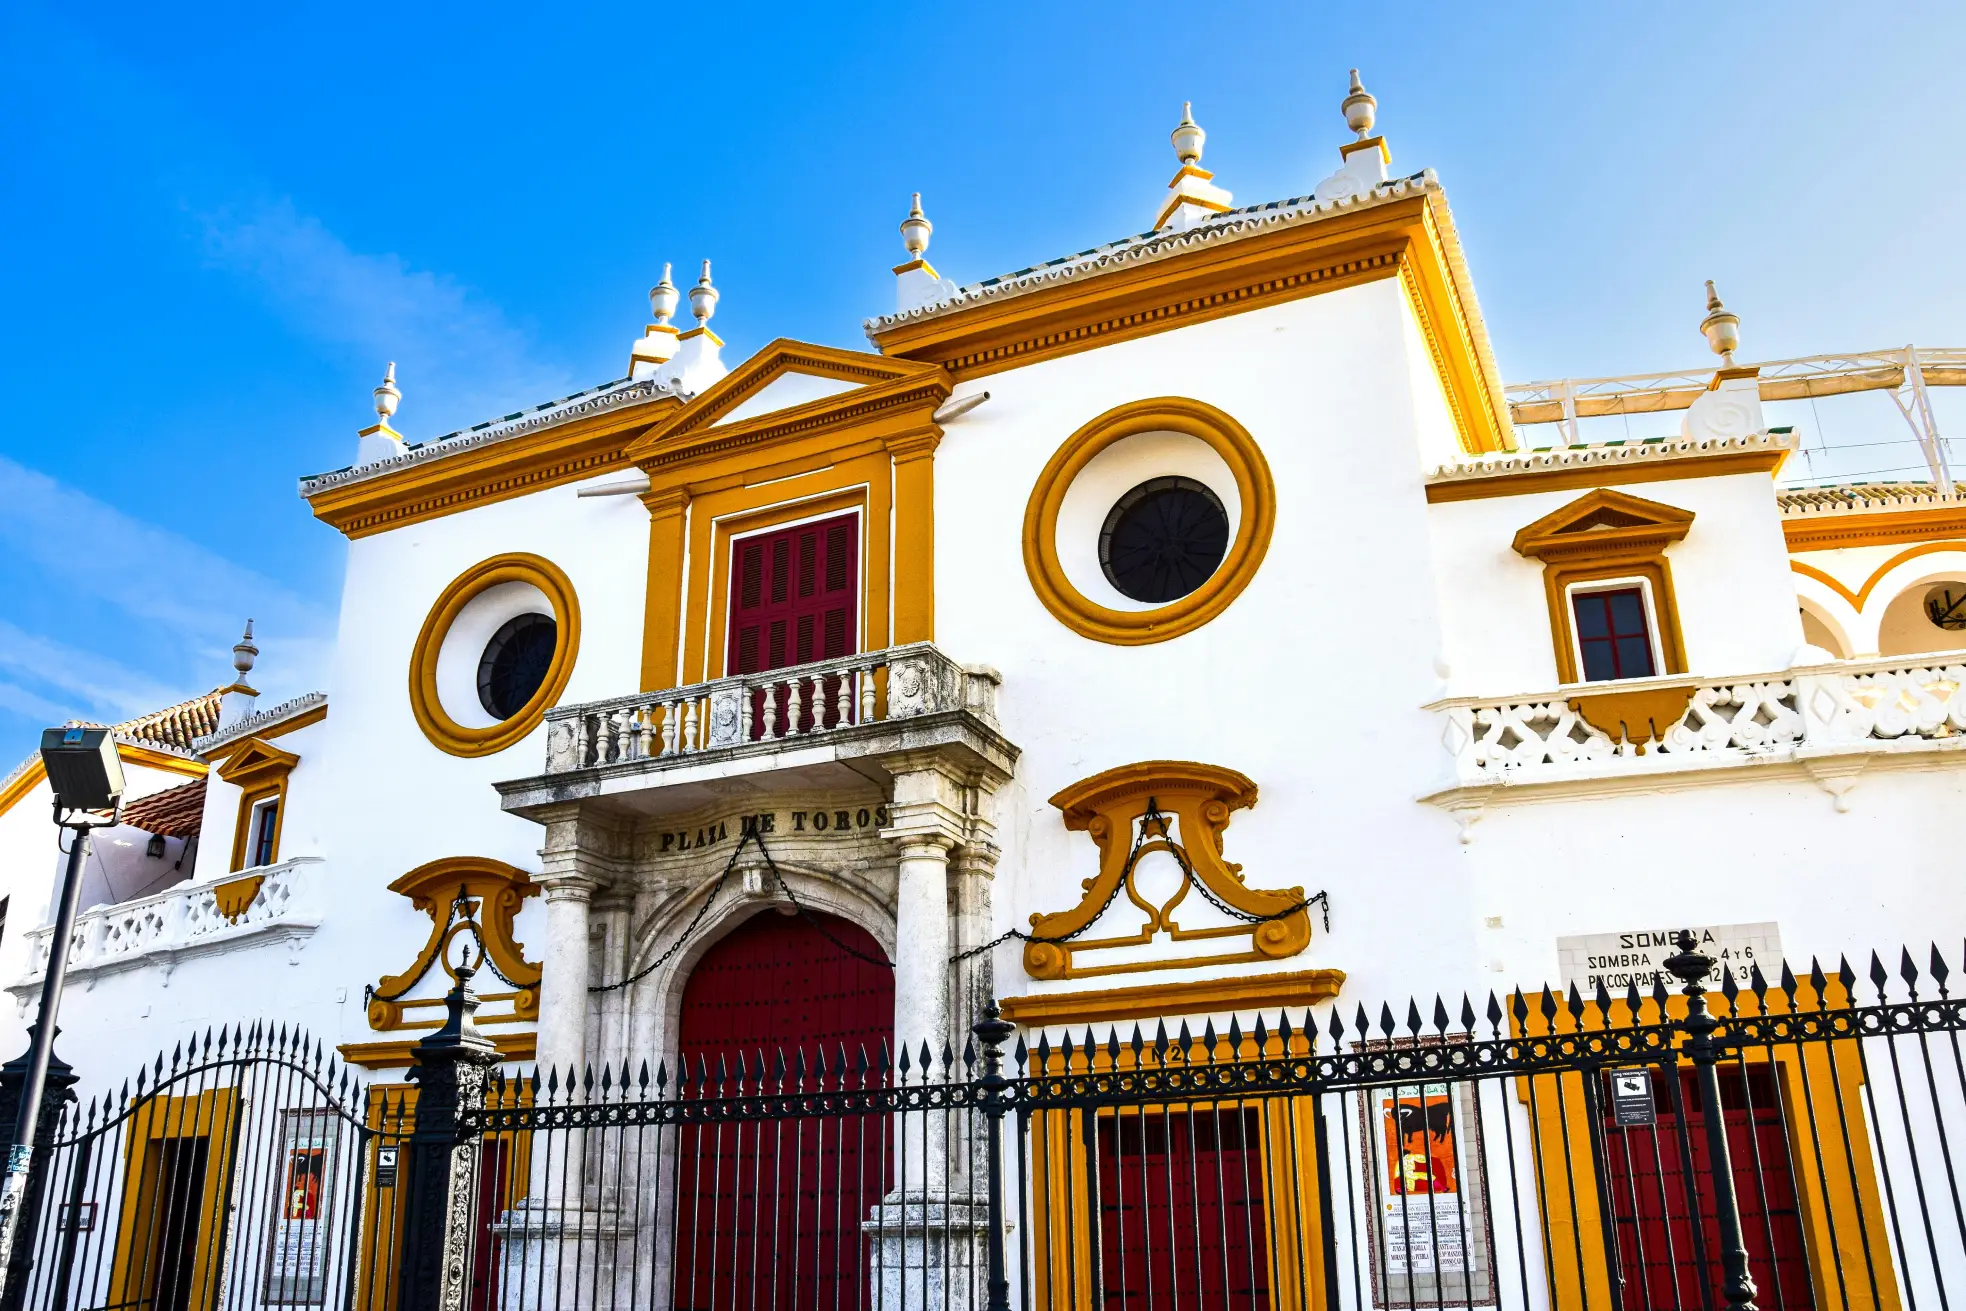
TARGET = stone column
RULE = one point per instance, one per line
(927, 1238)
(565, 971)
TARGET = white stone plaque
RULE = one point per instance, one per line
(1618, 960)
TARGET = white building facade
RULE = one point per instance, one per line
(1179, 630)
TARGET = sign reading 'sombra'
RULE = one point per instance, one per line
(853, 821)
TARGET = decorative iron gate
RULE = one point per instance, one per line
(1785, 1144)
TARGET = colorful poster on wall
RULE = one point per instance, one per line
(1428, 1210)
(296, 1264)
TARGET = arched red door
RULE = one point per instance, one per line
(768, 1211)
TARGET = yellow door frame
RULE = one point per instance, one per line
(146, 1207)
(1061, 1217)
(1842, 1226)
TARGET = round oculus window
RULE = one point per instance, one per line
(1163, 539)
(515, 664)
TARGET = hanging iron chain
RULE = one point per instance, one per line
(371, 994)
(747, 836)
(1158, 821)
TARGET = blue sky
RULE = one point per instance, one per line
(219, 225)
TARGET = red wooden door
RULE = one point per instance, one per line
(1182, 1220)
(1662, 1261)
(768, 1211)
(794, 597)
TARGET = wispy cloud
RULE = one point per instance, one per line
(102, 686)
(20, 701)
(458, 352)
(175, 606)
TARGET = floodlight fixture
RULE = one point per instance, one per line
(83, 768)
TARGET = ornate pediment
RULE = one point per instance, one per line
(1127, 922)
(254, 763)
(1603, 524)
(793, 386)
(462, 895)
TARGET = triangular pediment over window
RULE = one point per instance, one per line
(1604, 522)
(791, 383)
(256, 762)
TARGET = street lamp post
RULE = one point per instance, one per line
(86, 777)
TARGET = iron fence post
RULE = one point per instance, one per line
(452, 1067)
(1691, 968)
(991, 1031)
(55, 1092)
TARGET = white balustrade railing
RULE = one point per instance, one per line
(184, 919)
(1848, 705)
(782, 705)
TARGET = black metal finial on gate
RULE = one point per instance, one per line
(1691, 967)
(992, 1031)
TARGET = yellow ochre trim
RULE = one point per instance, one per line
(1599, 475)
(445, 733)
(1830, 1154)
(1199, 800)
(1254, 488)
(871, 447)
(434, 888)
(498, 471)
(392, 1053)
(1411, 239)
(1261, 992)
(219, 755)
(1574, 554)
(151, 1197)
(1885, 528)
(1858, 598)
(234, 897)
(260, 772)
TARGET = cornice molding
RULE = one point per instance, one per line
(1565, 469)
(527, 462)
(1267, 993)
(1833, 531)
(1243, 261)
(692, 434)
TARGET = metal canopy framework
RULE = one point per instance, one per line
(1904, 374)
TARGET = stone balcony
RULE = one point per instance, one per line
(808, 726)
(274, 905)
(1828, 722)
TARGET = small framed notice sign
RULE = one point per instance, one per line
(1618, 960)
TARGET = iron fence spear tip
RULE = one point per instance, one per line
(1936, 967)
(1441, 1020)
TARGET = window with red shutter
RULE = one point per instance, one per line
(795, 597)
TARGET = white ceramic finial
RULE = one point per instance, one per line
(244, 653)
(663, 298)
(1188, 138)
(703, 297)
(387, 398)
(915, 229)
(1722, 327)
(1361, 110)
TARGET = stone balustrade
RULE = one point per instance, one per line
(1660, 725)
(802, 703)
(272, 905)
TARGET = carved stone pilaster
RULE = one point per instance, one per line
(452, 1067)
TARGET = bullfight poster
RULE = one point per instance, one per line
(1428, 1204)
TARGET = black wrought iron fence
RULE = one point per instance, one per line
(233, 1171)
(1787, 1144)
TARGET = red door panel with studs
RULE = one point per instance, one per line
(768, 1211)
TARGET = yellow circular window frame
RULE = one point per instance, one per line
(1254, 487)
(445, 733)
